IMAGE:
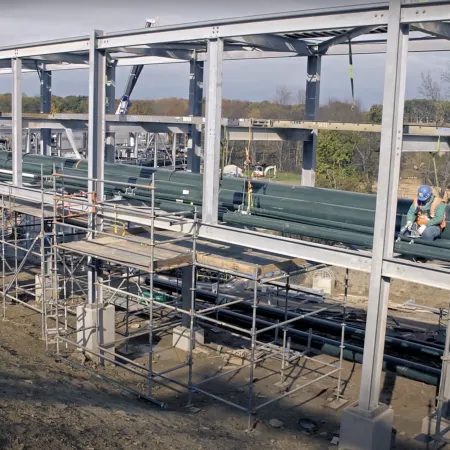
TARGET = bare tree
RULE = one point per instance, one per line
(429, 87)
(431, 90)
(283, 96)
(301, 97)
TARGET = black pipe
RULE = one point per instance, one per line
(408, 369)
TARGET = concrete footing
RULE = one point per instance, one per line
(181, 337)
(429, 426)
(88, 321)
(366, 430)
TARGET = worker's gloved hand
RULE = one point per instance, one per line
(409, 225)
(421, 229)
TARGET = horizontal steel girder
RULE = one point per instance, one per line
(418, 45)
(254, 124)
(313, 20)
(429, 275)
(417, 138)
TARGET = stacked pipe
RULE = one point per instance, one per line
(346, 217)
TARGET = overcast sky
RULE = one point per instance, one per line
(35, 20)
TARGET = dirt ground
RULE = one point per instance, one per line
(47, 403)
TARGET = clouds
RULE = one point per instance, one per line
(29, 20)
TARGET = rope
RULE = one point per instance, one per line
(438, 151)
(352, 84)
(224, 151)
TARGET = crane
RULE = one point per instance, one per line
(135, 72)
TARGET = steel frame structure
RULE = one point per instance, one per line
(285, 34)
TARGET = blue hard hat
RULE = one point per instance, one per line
(424, 193)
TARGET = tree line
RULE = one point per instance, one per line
(345, 160)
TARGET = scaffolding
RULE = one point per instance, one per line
(68, 242)
(269, 36)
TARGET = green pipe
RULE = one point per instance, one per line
(331, 234)
(325, 214)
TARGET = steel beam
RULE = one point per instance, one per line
(195, 110)
(16, 65)
(275, 43)
(418, 45)
(80, 120)
(389, 169)
(311, 111)
(376, 47)
(423, 12)
(76, 44)
(127, 61)
(281, 23)
(157, 52)
(416, 138)
(71, 58)
(45, 77)
(427, 144)
(212, 132)
(323, 47)
(438, 29)
(312, 20)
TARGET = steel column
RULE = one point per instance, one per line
(174, 150)
(110, 90)
(368, 425)
(28, 145)
(186, 293)
(96, 148)
(16, 65)
(195, 110)
(45, 144)
(110, 150)
(213, 114)
(390, 154)
(96, 126)
(311, 113)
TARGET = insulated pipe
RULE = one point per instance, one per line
(401, 345)
(408, 369)
(320, 213)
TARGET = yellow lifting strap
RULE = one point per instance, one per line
(249, 180)
(124, 232)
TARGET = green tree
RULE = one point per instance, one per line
(375, 114)
(335, 156)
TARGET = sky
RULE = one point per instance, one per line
(30, 21)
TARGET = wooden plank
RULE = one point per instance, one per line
(226, 264)
(28, 210)
(128, 257)
(277, 268)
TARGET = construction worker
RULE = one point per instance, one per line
(426, 216)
